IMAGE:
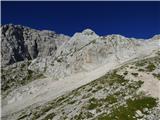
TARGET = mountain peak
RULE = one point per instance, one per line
(88, 32)
(156, 37)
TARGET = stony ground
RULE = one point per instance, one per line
(130, 92)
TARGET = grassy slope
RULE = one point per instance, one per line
(107, 98)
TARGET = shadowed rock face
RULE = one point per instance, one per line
(23, 43)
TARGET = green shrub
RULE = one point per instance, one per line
(49, 116)
(94, 41)
(125, 73)
(156, 75)
(135, 74)
(111, 99)
(72, 102)
(141, 70)
(115, 78)
(93, 103)
(140, 63)
(150, 67)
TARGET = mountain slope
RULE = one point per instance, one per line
(119, 94)
(53, 65)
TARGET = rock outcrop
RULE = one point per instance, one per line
(21, 43)
(86, 51)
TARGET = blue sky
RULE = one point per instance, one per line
(131, 19)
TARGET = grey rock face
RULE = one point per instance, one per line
(45, 54)
(23, 43)
(86, 51)
(58, 56)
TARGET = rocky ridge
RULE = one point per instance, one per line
(86, 51)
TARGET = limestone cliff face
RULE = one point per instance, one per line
(21, 43)
(86, 51)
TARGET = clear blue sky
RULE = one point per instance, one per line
(131, 19)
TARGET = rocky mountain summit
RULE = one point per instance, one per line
(86, 51)
(39, 66)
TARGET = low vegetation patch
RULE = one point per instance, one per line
(115, 78)
(135, 74)
(111, 99)
(141, 63)
(128, 112)
(156, 75)
(49, 116)
(93, 103)
(125, 73)
(150, 67)
(141, 70)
